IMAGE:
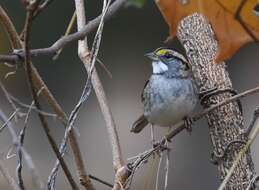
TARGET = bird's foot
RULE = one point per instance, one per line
(188, 124)
(159, 147)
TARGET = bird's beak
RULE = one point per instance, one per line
(151, 56)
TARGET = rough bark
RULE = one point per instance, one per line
(226, 124)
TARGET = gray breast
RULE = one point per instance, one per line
(168, 100)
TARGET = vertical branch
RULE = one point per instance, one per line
(27, 29)
(226, 122)
(84, 55)
(10, 29)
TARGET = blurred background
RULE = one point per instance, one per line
(127, 37)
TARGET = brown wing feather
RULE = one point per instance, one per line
(139, 125)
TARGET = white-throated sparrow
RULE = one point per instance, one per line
(170, 94)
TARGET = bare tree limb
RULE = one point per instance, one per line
(62, 42)
(226, 124)
(85, 56)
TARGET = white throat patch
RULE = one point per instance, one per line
(159, 67)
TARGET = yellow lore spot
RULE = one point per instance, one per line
(161, 52)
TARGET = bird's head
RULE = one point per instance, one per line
(169, 62)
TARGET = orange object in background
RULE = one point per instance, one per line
(221, 14)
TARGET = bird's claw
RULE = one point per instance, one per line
(188, 124)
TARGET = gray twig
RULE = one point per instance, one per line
(7, 176)
(62, 42)
(20, 145)
(34, 172)
(9, 99)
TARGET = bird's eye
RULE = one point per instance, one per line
(167, 55)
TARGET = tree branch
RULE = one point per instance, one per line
(226, 124)
(28, 23)
(63, 41)
(181, 126)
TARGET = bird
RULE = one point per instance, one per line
(170, 94)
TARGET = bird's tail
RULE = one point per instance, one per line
(139, 124)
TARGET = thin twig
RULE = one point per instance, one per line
(12, 100)
(34, 172)
(28, 24)
(158, 171)
(242, 152)
(8, 120)
(81, 170)
(41, 7)
(20, 103)
(181, 125)
(7, 176)
(100, 180)
(68, 31)
(9, 99)
(167, 167)
(62, 42)
(20, 145)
